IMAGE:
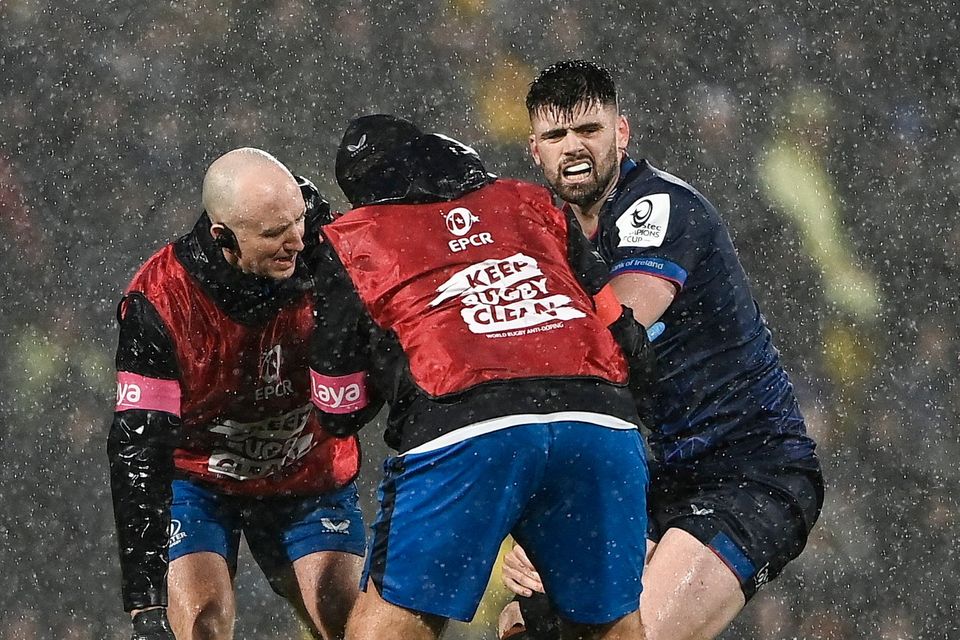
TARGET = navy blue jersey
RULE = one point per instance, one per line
(720, 379)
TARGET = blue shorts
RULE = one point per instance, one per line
(754, 510)
(573, 494)
(278, 529)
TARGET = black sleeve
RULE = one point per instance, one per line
(144, 347)
(591, 271)
(641, 360)
(343, 342)
(316, 215)
(140, 450)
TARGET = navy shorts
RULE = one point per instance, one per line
(572, 493)
(278, 530)
(753, 512)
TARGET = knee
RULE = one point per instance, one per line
(210, 620)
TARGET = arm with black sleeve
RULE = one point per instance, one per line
(594, 276)
(140, 449)
(316, 214)
(342, 351)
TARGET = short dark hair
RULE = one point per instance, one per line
(566, 84)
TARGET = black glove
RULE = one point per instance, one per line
(641, 360)
(152, 624)
(317, 215)
(540, 617)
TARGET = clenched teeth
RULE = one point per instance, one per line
(577, 169)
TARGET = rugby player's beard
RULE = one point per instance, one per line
(586, 194)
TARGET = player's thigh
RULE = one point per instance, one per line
(585, 530)
(203, 545)
(374, 618)
(328, 585)
(204, 537)
(325, 531)
(755, 518)
(444, 514)
(688, 591)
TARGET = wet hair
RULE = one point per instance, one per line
(565, 85)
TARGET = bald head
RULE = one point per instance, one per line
(242, 183)
(249, 193)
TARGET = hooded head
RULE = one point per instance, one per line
(383, 159)
(369, 167)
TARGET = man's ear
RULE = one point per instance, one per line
(224, 237)
(623, 134)
(534, 149)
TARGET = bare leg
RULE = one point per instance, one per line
(375, 619)
(202, 605)
(688, 592)
(327, 583)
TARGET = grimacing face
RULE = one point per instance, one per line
(270, 241)
(579, 154)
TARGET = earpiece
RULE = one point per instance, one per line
(227, 239)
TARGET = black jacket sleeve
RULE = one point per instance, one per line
(593, 274)
(344, 341)
(140, 450)
(641, 360)
(591, 271)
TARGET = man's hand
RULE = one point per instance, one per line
(519, 575)
(151, 624)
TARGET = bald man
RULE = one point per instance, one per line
(213, 435)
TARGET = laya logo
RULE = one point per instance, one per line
(361, 143)
(508, 295)
(176, 536)
(644, 223)
(336, 397)
(339, 394)
(335, 526)
(459, 221)
(128, 393)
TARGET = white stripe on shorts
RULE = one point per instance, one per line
(505, 422)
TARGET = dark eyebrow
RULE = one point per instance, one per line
(586, 127)
(554, 133)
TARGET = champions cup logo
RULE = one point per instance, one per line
(460, 220)
(508, 295)
(270, 365)
(641, 212)
(644, 223)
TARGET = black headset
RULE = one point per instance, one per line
(227, 239)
